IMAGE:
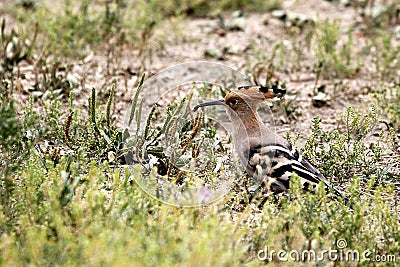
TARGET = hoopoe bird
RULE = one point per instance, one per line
(266, 155)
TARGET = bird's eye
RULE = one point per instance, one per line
(233, 102)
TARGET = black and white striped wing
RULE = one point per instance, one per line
(277, 163)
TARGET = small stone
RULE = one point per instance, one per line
(216, 53)
(37, 94)
(111, 156)
(320, 99)
(72, 80)
(345, 3)
(88, 58)
(279, 14)
(237, 24)
(10, 50)
(397, 32)
(375, 11)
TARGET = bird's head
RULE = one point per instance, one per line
(242, 104)
(245, 99)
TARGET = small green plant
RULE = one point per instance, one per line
(51, 81)
(14, 48)
(12, 147)
(341, 155)
(385, 55)
(334, 60)
(387, 96)
(377, 15)
(290, 107)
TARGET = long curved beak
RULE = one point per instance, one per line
(211, 103)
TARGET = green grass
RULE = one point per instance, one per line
(105, 212)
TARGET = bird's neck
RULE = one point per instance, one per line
(249, 125)
(254, 126)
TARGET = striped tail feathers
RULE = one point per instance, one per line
(277, 162)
